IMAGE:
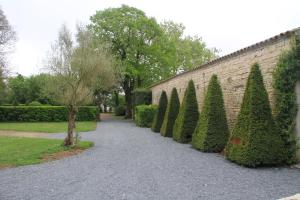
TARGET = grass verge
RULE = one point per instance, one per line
(16, 151)
(46, 127)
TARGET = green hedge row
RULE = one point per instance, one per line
(45, 113)
(144, 115)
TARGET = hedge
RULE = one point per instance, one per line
(160, 114)
(144, 115)
(286, 75)
(212, 132)
(255, 139)
(188, 115)
(171, 114)
(45, 113)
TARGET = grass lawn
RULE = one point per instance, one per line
(16, 151)
(47, 127)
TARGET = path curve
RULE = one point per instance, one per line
(128, 162)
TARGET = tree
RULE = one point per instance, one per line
(181, 52)
(171, 115)
(188, 115)
(131, 35)
(17, 90)
(7, 39)
(161, 110)
(255, 139)
(211, 133)
(78, 70)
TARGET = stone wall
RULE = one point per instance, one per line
(232, 71)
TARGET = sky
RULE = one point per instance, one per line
(227, 25)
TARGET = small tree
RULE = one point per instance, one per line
(78, 70)
(255, 139)
(212, 131)
(171, 114)
(188, 115)
(159, 116)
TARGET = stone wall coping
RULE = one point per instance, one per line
(289, 33)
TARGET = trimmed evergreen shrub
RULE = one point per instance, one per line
(188, 115)
(45, 113)
(212, 132)
(160, 114)
(144, 115)
(286, 75)
(171, 114)
(255, 139)
(120, 110)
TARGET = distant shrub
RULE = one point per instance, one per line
(171, 114)
(212, 132)
(120, 110)
(35, 103)
(161, 110)
(142, 96)
(45, 113)
(188, 115)
(255, 139)
(144, 115)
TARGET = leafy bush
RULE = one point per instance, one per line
(171, 114)
(144, 115)
(120, 110)
(255, 139)
(212, 132)
(35, 103)
(45, 113)
(188, 115)
(159, 115)
(286, 75)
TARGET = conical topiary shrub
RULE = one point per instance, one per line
(171, 114)
(161, 110)
(188, 115)
(212, 132)
(255, 140)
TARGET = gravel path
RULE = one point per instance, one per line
(128, 162)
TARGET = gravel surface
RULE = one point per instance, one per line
(128, 162)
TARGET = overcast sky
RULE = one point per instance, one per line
(227, 25)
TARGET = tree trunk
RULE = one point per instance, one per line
(128, 99)
(117, 103)
(69, 141)
(128, 85)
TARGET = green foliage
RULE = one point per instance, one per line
(285, 76)
(171, 115)
(120, 110)
(22, 90)
(255, 139)
(47, 127)
(188, 115)
(16, 151)
(45, 113)
(144, 115)
(142, 96)
(35, 103)
(212, 132)
(160, 114)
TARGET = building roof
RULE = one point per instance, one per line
(258, 44)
